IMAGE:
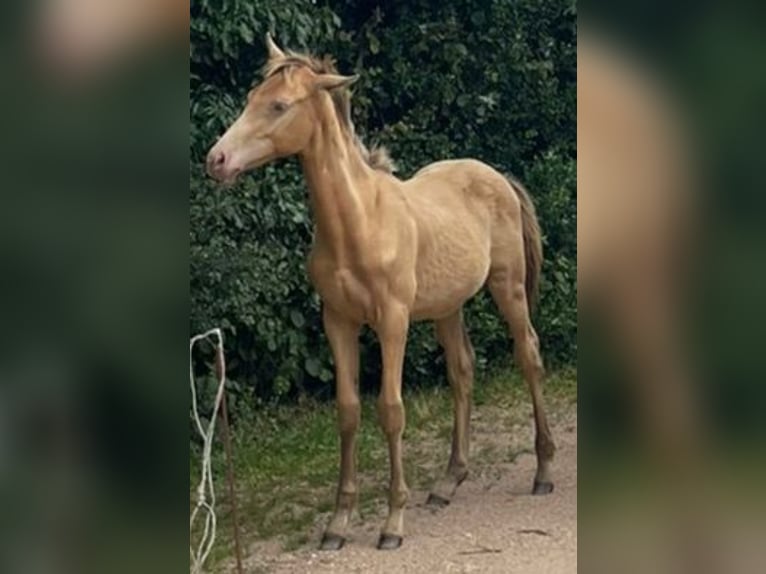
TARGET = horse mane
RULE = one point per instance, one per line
(377, 156)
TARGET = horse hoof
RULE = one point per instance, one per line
(332, 542)
(542, 487)
(389, 542)
(436, 501)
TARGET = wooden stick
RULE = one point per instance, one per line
(221, 371)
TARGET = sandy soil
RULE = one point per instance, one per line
(493, 524)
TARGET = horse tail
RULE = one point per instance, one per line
(533, 245)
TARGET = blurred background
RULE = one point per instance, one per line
(670, 240)
(94, 284)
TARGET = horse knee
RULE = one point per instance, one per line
(391, 415)
(349, 416)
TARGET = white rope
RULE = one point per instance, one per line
(205, 490)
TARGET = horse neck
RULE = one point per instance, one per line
(339, 182)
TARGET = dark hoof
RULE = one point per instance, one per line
(332, 542)
(389, 542)
(542, 487)
(436, 501)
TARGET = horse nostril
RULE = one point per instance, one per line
(216, 159)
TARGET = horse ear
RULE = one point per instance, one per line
(333, 81)
(274, 50)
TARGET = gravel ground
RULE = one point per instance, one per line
(493, 524)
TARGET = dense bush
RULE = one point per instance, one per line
(490, 79)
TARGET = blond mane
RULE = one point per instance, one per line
(377, 157)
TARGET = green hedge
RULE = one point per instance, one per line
(494, 80)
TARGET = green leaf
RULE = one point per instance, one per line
(478, 18)
(297, 318)
(246, 33)
(281, 386)
(374, 42)
(313, 366)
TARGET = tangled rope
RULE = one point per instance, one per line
(205, 491)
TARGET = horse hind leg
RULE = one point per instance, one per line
(452, 335)
(509, 293)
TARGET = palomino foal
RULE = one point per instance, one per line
(387, 252)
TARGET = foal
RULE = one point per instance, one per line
(387, 252)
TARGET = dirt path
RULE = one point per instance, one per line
(492, 525)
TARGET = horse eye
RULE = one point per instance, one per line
(279, 107)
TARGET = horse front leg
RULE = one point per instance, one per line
(392, 333)
(343, 336)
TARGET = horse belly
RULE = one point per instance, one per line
(448, 276)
